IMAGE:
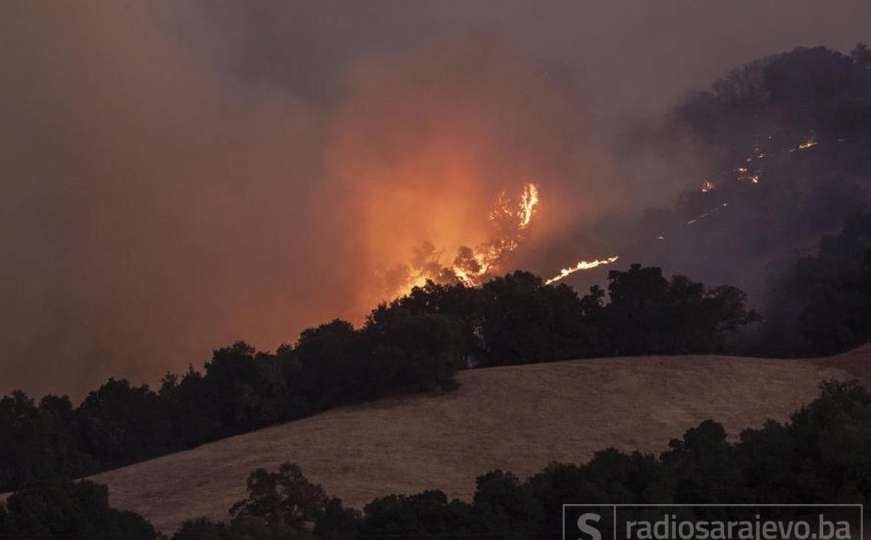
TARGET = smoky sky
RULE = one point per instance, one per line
(180, 175)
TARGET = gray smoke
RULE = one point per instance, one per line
(179, 175)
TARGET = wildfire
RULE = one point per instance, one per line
(472, 266)
(581, 265)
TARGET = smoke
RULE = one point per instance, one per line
(179, 175)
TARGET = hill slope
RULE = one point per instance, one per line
(517, 418)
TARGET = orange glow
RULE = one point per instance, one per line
(473, 266)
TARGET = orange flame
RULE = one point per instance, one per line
(528, 204)
(473, 266)
(581, 265)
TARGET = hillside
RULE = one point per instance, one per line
(517, 418)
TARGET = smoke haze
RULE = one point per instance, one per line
(180, 175)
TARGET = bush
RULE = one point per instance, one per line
(71, 511)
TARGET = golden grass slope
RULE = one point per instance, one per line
(518, 418)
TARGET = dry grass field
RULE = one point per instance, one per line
(516, 418)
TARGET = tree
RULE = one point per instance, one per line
(39, 443)
(832, 438)
(649, 314)
(822, 304)
(525, 321)
(203, 529)
(336, 522)
(333, 371)
(284, 497)
(504, 506)
(249, 387)
(412, 352)
(69, 510)
(638, 315)
(422, 515)
(704, 465)
(122, 423)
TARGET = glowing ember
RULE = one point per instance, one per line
(810, 143)
(707, 186)
(581, 265)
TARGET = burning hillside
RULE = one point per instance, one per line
(510, 219)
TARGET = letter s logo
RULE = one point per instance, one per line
(585, 527)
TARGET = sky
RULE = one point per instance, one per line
(179, 175)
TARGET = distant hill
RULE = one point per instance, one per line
(518, 418)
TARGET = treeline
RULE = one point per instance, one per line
(814, 89)
(822, 454)
(413, 344)
(240, 390)
(515, 319)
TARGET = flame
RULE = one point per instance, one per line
(502, 208)
(744, 173)
(528, 204)
(581, 265)
(473, 266)
(810, 143)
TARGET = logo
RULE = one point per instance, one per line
(584, 525)
(588, 522)
(713, 522)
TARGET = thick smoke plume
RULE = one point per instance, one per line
(179, 175)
